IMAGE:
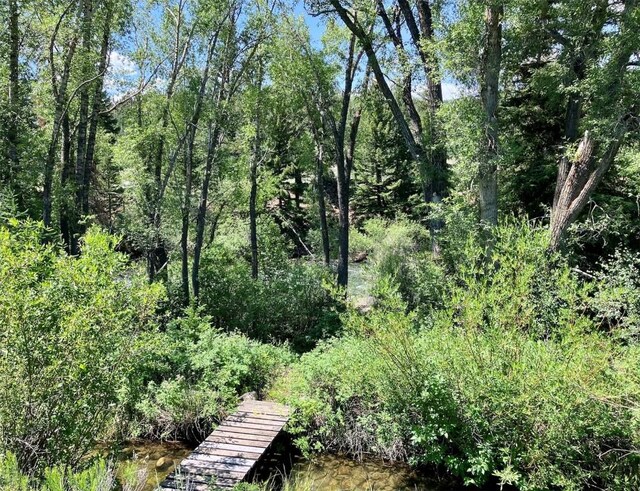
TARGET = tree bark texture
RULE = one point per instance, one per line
(489, 92)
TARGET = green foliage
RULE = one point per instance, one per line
(69, 339)
(385, 183)
(398, 252)
(616, 296)
(511, 381)
(99, 476)
(197, 373)
(288, 302)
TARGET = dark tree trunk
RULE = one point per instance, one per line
(97, 102)
(186, 209)
(489, 91)
(413, 141)
(191, 131)
(253, 229)
(214, 143)
(432, 165)
(14, 97)
(67, 172)
(83, 120)
(255, 158)
(343, 219)
(59, 90)
(344, 162)
(322, 209)
(157, 256)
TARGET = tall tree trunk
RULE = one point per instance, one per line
(322, 209)
(186, 208)
(253, 227)
(344, 161)
(67, 172)
(489, 91)
(214, 143)
(83, 120)
(59, 90)
(95, 110)
(413, 141)
(191, 131)
(255, 158)
(343, 220)
(157, 256)
(433, 164)
(14, 97)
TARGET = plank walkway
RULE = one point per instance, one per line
(227, 455)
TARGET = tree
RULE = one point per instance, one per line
(601, 103)
(13, 102)
(431, 161)
(489, 94)
(384, 182)
(342, 121)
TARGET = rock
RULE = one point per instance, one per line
(249, 396)
(163, 463)
(360, 257)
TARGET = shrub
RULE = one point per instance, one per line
(616, 297)
(68, 341)
(197, 373)
(290, 302)
(483, 404)
(508, 380)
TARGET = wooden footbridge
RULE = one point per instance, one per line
(227, 456)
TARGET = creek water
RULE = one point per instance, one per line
(154, 460)
(322, 473)
(334, 472)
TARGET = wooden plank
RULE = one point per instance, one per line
(274, 420)
(231, 465)
(259, 415)
(243, 442)
(181, 485)
(248, 420)
(223, 459)
(227, 453)
(268, 423)
(237, 441)
(187, 478)
(217, 470)
(227, 446)
(248, 436)
(252, 426)
(240, 429)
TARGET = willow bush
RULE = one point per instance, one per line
(510, 380)
(68, 343)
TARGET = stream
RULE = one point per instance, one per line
(323, 472)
